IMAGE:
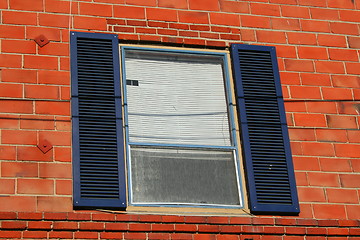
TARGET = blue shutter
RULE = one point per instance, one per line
(264, 134)
(98, 144)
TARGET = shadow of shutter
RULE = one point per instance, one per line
(264, 134)
(98, 154)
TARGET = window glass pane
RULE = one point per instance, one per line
(176, 98)
(179, 176)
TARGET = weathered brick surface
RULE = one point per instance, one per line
(318, 48)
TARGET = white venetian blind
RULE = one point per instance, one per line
(176, 98)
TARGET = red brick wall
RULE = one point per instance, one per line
(318, 48)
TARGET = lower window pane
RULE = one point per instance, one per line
(181, 176)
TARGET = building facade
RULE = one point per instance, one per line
(88, 101)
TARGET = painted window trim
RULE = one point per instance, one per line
(231, 111)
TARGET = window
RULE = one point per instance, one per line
(177, 113)
(171, 157)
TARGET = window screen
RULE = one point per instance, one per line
(176, 106)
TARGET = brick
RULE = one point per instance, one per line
(12, 31)
(306, 163)
(59, 6)
(295, 230)
(295, 11)
(102, 216)
(40, 225)
(315, 79)
(66, 225)
(129, 12)
(285, 24)
(352, 68)
(53, 108)
(13, 225)
(42, 92)
(274, 230)
(331, 135)
(10, 234)
(36, 5)
(225, 19)
(305, 92)
(20, 203)
(162, 227)
(328, 211)
(311, 194)
(111, 235)
(329, 67)
(30, 215)
(353, 136)
(350, 180)
(301, 38)
(336, 93)
(55, 49)
(116, 226)
(11, 90)
(263, 221)
(25, 153)
(53, 34)
(302, 134)
(353, 212)
(90, 23)
(342, 195)
(40, 62)
(35, 234)
(103, 10)
(61, 235)
(37, 122)
(344, 28)
(343, 55)
(316, 231)
(295, 107)
(208, 228)
(158, 236)
(286, 52)
(204, 237)
(350, 15)
(185, 227)
(209, 5)
(55, 216)
(131, 235)
(255, 21)
(331, 40)
(8, 215)
(19, 137)
(9, 121)
(92, 226)
(323, 179)
(237, 7)
(63, 187)
(54, 204)
(315, 25)
(161, 14)
(20, 18)
(338, 121)
(18, 75)
(265, 9)
(62, 154)
(7, 186)
(19, 169)
(178, 4)
(86, 235)
(18, 46)
(52, 170)
(326, 14)
(10, 60)
(48, 20)
(299, 65)
(271, 36)
(312, 53)
(35, 186)
(340, 4)
(193, 17)
(346, 81)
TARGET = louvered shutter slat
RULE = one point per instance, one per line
(266, 147)
(98, 155)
